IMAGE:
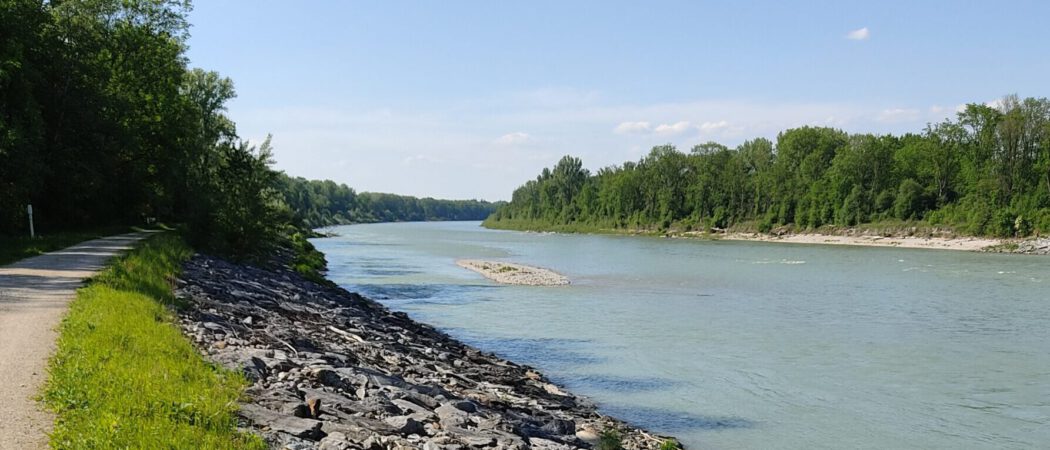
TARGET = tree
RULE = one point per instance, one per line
(987, 172)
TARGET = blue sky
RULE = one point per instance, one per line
(471, 99)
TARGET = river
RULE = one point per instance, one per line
(731, 345)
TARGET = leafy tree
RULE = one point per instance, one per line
(986, 172)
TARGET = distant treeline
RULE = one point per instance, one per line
(102, 122)
(985, 173)
(321, 203)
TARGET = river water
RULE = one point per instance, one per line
(731, 345)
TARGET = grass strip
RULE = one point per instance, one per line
(125, 376)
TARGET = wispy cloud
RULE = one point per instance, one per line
(633, 128)
(898, 115)
(711, 127)
(436, 151)
(673, 129)
(861, 34)
(514, 138)
(676, 128)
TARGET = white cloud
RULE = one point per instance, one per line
(861, 34)
(711, 127)
(633, 128)
(673, 129)
(514, 138)
(898, 115)
(434, 150)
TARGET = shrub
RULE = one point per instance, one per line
(1042, 222)
(908, 204)
(720, 218)
(1022, 226)
(610, 440)
(1003, 224)
(884, 202)
(766, 224)
(979, 221)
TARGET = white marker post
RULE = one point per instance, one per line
(32, 232)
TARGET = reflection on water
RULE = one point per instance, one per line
(742, 345)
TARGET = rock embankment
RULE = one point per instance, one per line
(1039, 246)
(334, 370)
(1030, 246)
(510, 273)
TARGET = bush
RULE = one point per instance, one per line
(884, 202)
(720, 218)
(980, 219)
(1003, 224)
(309, 262)
(765, 225)
(850, 214)
(669, 445)
(908, 204)
(610, 440)
(1022, 226)
(1042, 222)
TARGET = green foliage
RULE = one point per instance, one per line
(309, 262)
(246, 212)
(669, 445)
(378, 207)
(908, 203)
(988, 172)
(315, 204)
(610, 440)
(102, 122)
(1042, 222)
(124, 376)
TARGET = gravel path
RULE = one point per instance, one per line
(34, 294)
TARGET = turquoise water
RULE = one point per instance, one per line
(731, 345)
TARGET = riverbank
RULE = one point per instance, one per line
(897, 235)
(335, 370)
(511, 273)
(939, 243)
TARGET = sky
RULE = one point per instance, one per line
(470, 99)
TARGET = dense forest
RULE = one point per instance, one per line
(103, 122)
(985, 173)
(322, 203)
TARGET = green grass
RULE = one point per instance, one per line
(14, 248)
(124, 376)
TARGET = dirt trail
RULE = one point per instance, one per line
(34, 294)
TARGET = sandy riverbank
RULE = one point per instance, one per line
(510, 273)
(942, 243)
